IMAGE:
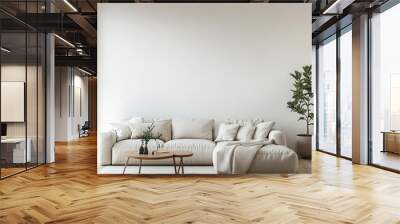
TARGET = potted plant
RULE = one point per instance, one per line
(302, 103)
(146, 137)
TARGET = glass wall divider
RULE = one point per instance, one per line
(22, 92)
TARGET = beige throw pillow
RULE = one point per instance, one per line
(227, 132)
(122, 131)
(160, 127)
(245, 133)
(263, 129)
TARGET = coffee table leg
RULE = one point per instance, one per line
(140, 165)
(179, 166)
(173, 159)
(183, 171)
(126, 164)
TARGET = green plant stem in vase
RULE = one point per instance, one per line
(147, 136)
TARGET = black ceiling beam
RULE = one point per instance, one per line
(81, 61)
(333, 28)
(49, 22)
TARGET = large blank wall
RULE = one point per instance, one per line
(221, 61)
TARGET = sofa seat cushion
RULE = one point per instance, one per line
(202, 150)
(274, 159)
(122, 149)
(271, 159)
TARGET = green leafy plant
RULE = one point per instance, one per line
(148, 134)
(302, 96)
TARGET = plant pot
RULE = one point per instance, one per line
(303, 146)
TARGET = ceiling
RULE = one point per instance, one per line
(75, 21)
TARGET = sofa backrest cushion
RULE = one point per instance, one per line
(121, 130)
(136, 120)
(192, 129)
(162, 127)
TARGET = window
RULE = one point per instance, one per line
(327, 96)
(385, 89)
(335, 74)
(346, 93)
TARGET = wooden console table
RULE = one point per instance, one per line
(391, 141)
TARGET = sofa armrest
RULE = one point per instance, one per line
(105, 142)
(277, 137)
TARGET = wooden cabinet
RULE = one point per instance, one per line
(391, 142)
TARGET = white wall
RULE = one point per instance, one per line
(67, 114)
(201, 61)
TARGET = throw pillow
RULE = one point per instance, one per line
(227, 132)
(245, 122)
(164, 128)
(160, 127)
(121, 130)
(246, 133)
(263, 129)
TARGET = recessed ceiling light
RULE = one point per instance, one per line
(337, 7)
(64, 40)
(5, 50)
(328, 10)
(70, 5)
(84, 71)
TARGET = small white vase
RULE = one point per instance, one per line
(303, 146)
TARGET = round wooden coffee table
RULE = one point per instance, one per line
(141, 157)
(181, 155)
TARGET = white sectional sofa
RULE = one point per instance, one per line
(197, 136)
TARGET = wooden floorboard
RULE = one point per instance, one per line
(70, 191)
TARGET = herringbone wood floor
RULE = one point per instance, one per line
(69, 191)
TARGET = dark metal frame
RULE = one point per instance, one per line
(337, 35)
(28, 27)
(387, 5)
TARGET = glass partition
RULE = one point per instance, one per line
(14, 153)
(31, 100)
(22, 77)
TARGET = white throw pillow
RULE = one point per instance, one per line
(192, 129)
(227, 132)
(121, 130)
(160, 127)
(136, 120)
(263, 129)
(246, 133)
(253, 122)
